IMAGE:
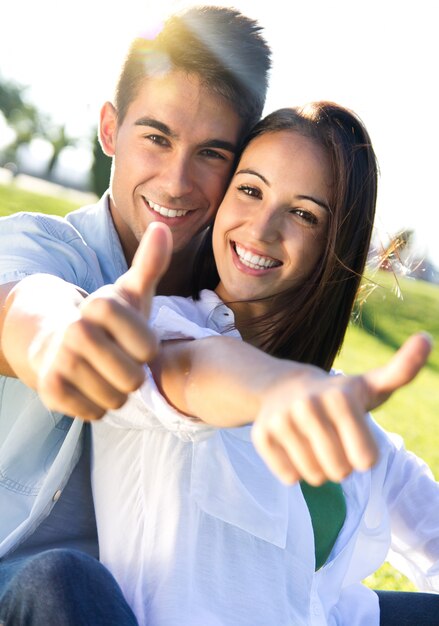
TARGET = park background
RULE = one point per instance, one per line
(60, 62)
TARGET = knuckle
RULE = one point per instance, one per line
(259, 435)
(149, 345)
(304, 407)
(339, 473)
(99, 307)
(117, 401)
(277, 423)
(132, 382)
(51, 387)
(91, 414)
(76, 333)
(68, 363)
(315, 478)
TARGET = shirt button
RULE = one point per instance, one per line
(57, 495)
(315, 608)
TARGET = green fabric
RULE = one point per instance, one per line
(327, 507)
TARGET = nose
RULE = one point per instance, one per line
(177, 178)
(265, 224)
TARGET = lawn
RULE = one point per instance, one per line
(13, 199)
(393, 310)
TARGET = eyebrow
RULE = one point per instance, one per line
(316, 201)
(254, 173)
(153, 123)
(301, 197)
(220, 144)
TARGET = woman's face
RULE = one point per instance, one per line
(271, 227)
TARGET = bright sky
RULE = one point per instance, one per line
(377, 57)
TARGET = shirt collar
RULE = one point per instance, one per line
(96, 226)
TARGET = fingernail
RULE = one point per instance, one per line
(428, 337)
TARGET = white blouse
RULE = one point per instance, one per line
(198, 532)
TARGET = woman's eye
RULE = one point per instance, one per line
(254, 192)
(307, 216)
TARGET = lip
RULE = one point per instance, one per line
(249, 270)
(166, 219)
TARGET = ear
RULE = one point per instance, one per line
(108, 129)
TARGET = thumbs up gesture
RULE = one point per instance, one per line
(313, 426)
(95, 357)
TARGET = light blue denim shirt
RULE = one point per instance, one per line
(39, 448)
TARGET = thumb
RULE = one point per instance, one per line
(402, 368)
(150, 262)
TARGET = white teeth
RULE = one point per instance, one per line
(254, 261)
(166, 212)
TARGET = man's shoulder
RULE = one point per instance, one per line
(87, 213)
(32, 243)
(28, 222)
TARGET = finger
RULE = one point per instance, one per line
(402, 368)
(149, 264)
(87, 381)
(58, 395)
(274, 456)
(114, 331)
(300, 452)
(285, 440)
(349, 421)
(313, 422)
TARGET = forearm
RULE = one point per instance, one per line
(5, 368)
(30, 309)
(307, 425)
(220, 380)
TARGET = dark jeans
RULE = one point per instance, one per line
(61, 588)
(399, 608)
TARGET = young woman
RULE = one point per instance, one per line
(194, 526)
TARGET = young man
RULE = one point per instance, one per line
(183, 102)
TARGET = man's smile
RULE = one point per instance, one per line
(164, 211)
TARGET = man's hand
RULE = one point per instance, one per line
(321, 434)
(94, 357)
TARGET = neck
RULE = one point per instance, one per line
(246, 314)
(177, 280)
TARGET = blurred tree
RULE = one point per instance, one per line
(59, 140)
(101, 168)
(28, 122)
(23, 117)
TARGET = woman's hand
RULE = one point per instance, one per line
(317, 431)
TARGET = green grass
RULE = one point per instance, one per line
(385, 321)
(383, 324)
(13, 199)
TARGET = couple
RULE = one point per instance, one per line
(302, 220)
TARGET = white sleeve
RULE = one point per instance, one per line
(147, 407)
(412, 497)
(34, 243)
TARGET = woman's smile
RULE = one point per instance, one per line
(271, 227)
(249, 259)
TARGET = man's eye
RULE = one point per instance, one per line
(212, 154)
(254, 192)
(158, 139)
(307, 216)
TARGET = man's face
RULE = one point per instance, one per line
(173, 156)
